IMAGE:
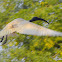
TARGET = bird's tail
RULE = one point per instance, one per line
(49, 32)
(53, 33)
(57, 33)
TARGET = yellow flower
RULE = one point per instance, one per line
(16, 43)
(7, 22)
(33, 52)
(51, 42)
(10, 44)
(36, 44)
(42, 3)
(46, 2)
(60, 53)
(48, 45)
(45, 40)
(61, 46)
(14, 52)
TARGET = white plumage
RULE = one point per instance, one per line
(25, 27)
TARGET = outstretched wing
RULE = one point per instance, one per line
(10, 27)
(33, 29)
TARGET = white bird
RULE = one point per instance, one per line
(27, 27)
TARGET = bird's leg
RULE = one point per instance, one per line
(5, 40)
(36, 18)
(2, 39)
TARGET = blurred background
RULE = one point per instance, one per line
(28, 48)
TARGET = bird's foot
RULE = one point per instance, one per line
(2, 39)
(5, 41)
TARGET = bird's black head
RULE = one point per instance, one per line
(36, 18)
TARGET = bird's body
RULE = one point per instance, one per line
(25, 27)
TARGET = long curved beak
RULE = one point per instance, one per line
(36, 18)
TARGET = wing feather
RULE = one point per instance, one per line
(34, 29)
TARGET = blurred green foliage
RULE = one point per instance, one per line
(30, 48)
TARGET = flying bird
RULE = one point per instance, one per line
(27, 27)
